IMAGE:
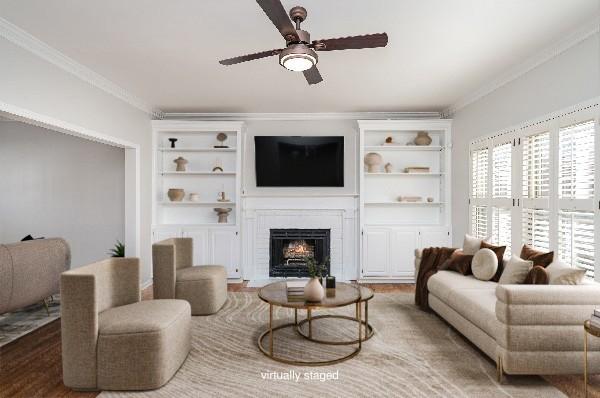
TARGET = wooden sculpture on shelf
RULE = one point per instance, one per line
(181, 162)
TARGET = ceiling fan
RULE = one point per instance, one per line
(300, 54)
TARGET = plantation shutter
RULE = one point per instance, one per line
(501, 174)
(576, 161)
(501, 227)
(536, 166)
(576, 239)
(479, 176)
(536, 228)
(479, 222)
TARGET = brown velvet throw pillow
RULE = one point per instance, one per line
(537, 276)
(458, 262)
(499, 251)
(539, 258)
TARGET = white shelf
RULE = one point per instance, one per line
(190, 203)
(418, 148)
(207, 149)
(198, 173)
(392, 203)
(396, 174)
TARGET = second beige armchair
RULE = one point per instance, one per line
(175, 276)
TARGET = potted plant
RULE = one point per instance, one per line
(313, 291)
(118, 250)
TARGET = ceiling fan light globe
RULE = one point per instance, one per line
(298, 58)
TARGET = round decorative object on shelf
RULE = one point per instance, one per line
(423, 138)
(373, 160)
(221, 137)
(430, 199)
(176, 194)
(194, 197)
(388, 168)
(222, 213)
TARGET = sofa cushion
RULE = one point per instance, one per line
(543, 259)
(478, 306)
(537, 276)
(499, 250)
(142, 317)
(484, 264)
(515, 271)
(200, 272)
(458, 262)
(443, 282)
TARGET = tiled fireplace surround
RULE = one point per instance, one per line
(336, 213)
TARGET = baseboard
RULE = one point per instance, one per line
(404, 281)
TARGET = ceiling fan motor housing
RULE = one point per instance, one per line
(297, 52)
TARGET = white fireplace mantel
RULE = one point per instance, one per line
(336, 213)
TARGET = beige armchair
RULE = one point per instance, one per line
(204, 287)
(113, 341)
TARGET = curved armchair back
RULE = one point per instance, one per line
(168, 256)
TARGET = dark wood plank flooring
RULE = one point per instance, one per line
(31, 366)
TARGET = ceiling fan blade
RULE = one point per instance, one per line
(249, 57)
(351, 42)
(312, 75)
(276, 13)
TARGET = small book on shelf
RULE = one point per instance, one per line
(596, 312)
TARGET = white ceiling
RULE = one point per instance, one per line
(166, 52)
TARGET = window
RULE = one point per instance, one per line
(536, 228)
(576, 239)
(536, 166)
(501, 228)
(501, 174)
(576, 161)
(479, 167)
(479, 222)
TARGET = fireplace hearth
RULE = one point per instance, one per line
(289, 249)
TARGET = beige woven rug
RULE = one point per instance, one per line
(413, 354)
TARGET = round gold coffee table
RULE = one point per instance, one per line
(275, 294)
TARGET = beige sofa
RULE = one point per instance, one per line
(113, 341)
(525, 329)
(30, 271)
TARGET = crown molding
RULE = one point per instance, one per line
(557, 48)
(301, 116)
(32, 44)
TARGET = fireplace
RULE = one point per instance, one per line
(290, 247)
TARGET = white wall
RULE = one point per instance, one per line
(567, 79)
(56, 185)
(346, 128)
(30, 82)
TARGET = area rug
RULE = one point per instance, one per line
(412, 354)
(19, 323)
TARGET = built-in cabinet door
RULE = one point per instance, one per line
(402, 253)
(376, 252)
(434, 238)
(165, 233)
(225, 250)
(200, 245)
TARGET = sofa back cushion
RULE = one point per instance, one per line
(540, 258)
(515, 271)
(458, 262)
(499, 250)
(484, 264)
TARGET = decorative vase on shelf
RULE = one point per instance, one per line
(176, 194)
(388, 168)
(181, 162)
(373, 160)
(313, 290)
(423, 138)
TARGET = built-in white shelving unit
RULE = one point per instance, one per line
(391, 229)
(214, 243)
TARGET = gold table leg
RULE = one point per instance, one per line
(359, 320)
(309, 315)
(271, 329)
(585, 361)
(46, 306)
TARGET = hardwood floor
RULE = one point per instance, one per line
(31, 366)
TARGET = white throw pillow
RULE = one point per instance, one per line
(515, 271)
(560, 273)
(471, 244)
(484, 264)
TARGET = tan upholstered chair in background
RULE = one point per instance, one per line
(113, 341)
(204, 287)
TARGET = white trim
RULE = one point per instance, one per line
(565, 43)
(302, 116)
(18, 36)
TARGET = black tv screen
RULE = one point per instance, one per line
(299, 161)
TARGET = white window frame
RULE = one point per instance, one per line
(589, 110)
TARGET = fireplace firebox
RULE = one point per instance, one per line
(289, 249)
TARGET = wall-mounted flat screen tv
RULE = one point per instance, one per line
(292, 161)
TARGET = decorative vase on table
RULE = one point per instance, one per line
(313, 290)
(423, 138)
